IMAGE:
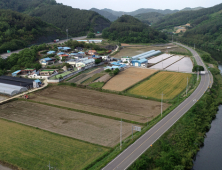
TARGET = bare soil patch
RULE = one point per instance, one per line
(102, 100)
(132, 50)
(127, 78)
(81, 126)
(92, 109)
(104, 78)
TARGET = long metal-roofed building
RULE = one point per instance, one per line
(28, 83)
(150, 55)
(141, 55)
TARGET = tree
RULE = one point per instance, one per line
(97, 61)
(116, 71)
(197, 68)
(91, 35)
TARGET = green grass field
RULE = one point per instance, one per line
(97, 85)
(93, 78)
(170, 83)
(63, 74)
(32, 149)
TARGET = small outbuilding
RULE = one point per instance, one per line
(140, 63)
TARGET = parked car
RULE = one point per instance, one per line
(57, 40)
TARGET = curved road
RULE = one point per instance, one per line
(129, 155)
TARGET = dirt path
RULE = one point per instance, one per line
(4, 168)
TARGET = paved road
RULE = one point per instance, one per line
(6, 55)
(128, 156)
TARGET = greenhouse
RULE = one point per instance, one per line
(8, 91)
(18, 88)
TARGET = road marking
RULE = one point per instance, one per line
(161, 126)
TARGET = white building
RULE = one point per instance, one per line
(126, 59)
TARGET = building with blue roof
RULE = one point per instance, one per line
(140, 63)
(66, 48)
(46, 61)
(60, 48)
(14, 74)
(60, 53)
(116, 63)
(51, 52)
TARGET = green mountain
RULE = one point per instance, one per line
(106, 14)
(18, 30)
(205, 31)
(128, 29)
(192, 9)
(184, 17)
(149, 18)
(139, 11)
(78, 22)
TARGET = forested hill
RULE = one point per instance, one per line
(149, 18)
(17, 30)
(183, 17)
(106, 14)
(130, 30)
(78, 22)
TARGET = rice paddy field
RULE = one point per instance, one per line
(169, 83)
(30, 148)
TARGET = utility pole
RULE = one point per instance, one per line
(197, 73)
(187, 86)
(162, 105)
(132, 132)
(120, 135)
(194, 46)
(172, 38)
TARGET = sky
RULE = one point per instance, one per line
(132, 5)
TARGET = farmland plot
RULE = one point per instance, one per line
(93, 129)
(102, 103)
(30, 148)
(127, 78)
(168, 83)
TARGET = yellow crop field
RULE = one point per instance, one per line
(168, 83)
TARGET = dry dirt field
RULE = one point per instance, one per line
(132, 50)
(81, 126)
(103, 103)
(127, 78)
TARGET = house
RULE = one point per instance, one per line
(116, 63)
(126, 59)
(60, 53)
(51, 52)
(92, 52)
(47, 61)
(61, 57)
(82, 53)
(60, 48)
(95, 41)
(73, 62)
(140, 63)
(97, 57)
(79, 49)
(47, 72)
(66, 48)
(73, 54)
(85, 63)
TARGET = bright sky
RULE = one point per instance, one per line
(132, 5)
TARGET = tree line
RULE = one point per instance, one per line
(18, 30)
(128, 29)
